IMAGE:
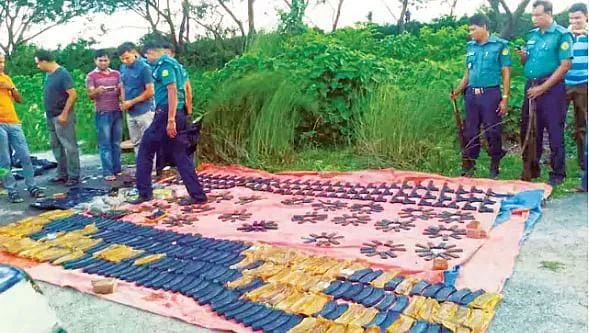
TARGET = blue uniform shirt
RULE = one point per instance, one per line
(134, 78)
(547, 50)
(484, 62)
(167, 70)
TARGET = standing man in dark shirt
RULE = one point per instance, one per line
(59, 98)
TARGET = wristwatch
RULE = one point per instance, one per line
(505, 96)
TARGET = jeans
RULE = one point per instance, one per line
(578, 96)
(65, 146)
(12, 135)
(584, 179)
(137, 126)
(109, 128)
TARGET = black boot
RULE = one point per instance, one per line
(467, 167)
(494, 168)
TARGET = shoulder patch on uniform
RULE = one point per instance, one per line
(165, 73)
(565, 46)
(505, 51)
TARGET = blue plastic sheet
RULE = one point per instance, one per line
(531, 200)
(9, 276)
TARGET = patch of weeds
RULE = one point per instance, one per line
(554, 266)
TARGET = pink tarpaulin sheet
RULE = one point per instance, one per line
(309, 226)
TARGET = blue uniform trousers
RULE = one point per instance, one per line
(550, 115)
(156, 137)
(481, 106)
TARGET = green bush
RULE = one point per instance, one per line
(32, 112)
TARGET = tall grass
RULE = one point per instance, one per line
(412, 128)
(254, 118)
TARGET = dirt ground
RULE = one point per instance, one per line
(546, 293)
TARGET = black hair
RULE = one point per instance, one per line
(44, 55)
(152, 46)
(480, 20)
(170, 46)
(126, 47)
(101, 53)
(579, 7)
(547, 5)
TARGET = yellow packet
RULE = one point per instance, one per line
(289, 301)
(21, 244)
(364, 318)
(445, 313)
(256, 293)
(385, 277)
(354, 311)
(429, 309)
(298, 306)
(336, 328)
(354, 329)
(148, 259)
(487, 301)
(314, 305)
(304, 326)
(280, 275)
(479, 320)
(336, 270)
(76, 254)
(278, 296)
(405, 287)
(401, 325)
(416, 303)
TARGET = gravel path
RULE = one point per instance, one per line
(548, 290)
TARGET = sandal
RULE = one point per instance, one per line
(14, 197)
(110, 178)
(58, 180)
(36, 192)
(72, 182)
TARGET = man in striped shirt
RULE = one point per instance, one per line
(576, 78)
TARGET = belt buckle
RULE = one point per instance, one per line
(478, 91)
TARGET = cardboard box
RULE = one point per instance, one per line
(104, 286)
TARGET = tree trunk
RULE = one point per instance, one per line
(453, 8)
(511, 18)
(251, 33)
(337, 14)
(401, 22)
(250, 17)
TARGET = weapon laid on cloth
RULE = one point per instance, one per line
(531, 167)
(460, 129)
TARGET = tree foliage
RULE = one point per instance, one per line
(24, 20)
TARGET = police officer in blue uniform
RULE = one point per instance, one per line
(547, 57)
(165, 130)
(488, 64)
(164, 157)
